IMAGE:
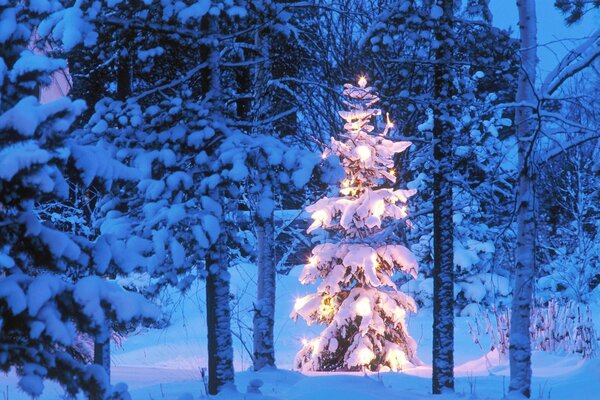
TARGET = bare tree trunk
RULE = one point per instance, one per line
(264, 308)
(218, 319)
(102, 355)
(443, 226)
(520, 344)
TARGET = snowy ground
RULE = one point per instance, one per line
(166, 364)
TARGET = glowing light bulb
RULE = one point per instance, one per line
(389, 123)
(365, 356)
(378, 208)
(375, 260)
(362, 81)
(396, 358)
(319, 215)
(363, 307)
(363, 153)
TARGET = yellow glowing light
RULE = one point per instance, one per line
(363, 307)
(363, 153)
(346, 183)
(399, 314)
(365, 356)
(355, 126)
(396, 359)
(313, 260)
(362, 81)
(319, 215)
(375, 260)
(403, 211)
(392, 172)
(390, 124)
(378, 208)
(304, 342)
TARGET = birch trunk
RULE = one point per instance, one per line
(520, 345)
(443, 228)
(264, 308)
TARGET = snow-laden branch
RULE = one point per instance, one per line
(577, 60)
(187, 76)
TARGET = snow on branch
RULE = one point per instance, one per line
(577, 60)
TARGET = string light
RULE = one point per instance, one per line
(396, 358)
(378, 208)
(389, 123)
(363, 307)
(320, 216)
(375, 260)
(363, 153)
(362, 81)
(365, 356)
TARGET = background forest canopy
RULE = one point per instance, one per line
(191, 141)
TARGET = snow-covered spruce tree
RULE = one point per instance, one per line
(357, 298)
(49, 288)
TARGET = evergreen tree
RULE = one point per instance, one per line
(357, 298)
(51, 289)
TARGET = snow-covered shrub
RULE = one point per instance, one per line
(565, 327)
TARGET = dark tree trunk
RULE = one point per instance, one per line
(124, 77)
(443, 229)
(218, 320)
(218, 311)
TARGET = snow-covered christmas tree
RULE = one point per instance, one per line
(356, 297)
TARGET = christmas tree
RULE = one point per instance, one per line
(356, 297)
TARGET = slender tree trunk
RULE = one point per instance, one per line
(264, 308)
(443, 228)
(102, 356)
(520, 344)
(218, 310)
(123, 78)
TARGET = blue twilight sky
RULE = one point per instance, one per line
(551, 27)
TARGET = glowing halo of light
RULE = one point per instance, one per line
(363, 152)
(362, 81)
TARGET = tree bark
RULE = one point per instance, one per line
(264, 308)
(218, 319)
(102, 355)
(443, 228)
(218, 311)
(520, 344)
